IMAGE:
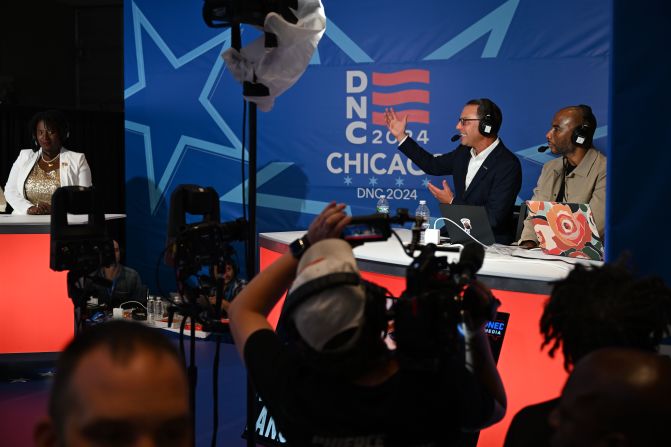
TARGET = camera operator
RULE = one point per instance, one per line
(335, 382)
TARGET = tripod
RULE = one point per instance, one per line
(210, 319)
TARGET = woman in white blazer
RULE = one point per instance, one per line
(37, 173)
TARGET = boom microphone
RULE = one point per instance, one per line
(543, 148)
(455, 137)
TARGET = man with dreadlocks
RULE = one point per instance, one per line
(592, 309)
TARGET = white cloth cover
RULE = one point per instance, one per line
(280, 67)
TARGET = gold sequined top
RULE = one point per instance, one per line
(40, 185)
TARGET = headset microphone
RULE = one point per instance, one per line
(543, 148)
(455, 137)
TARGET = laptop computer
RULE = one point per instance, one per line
(466, 222)
(566, 229)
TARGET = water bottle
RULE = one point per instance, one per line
(158, 309)
(423, 211)
(382, 206)
(151, 310)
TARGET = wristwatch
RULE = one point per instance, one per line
(299, 246)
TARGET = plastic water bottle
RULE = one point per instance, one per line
(158, 309)
(382, 206)
(151, 310)
(423, 211)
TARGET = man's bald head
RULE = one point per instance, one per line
(615, 397)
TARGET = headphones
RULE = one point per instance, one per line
(579, 136)
(490, 122)
(582, 135)
(486, 125)
(376, 316)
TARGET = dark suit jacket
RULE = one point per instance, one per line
(495, 185)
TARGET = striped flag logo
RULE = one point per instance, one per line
(400, 91)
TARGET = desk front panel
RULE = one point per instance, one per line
(37, 315)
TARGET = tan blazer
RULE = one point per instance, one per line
(586, 184)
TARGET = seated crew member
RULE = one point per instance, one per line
(125, 283)
(38, 172)
(615, 397)
(335, 382)
(590, 310)
(118, 383)
(579, 175)
(233, 284)
(484, 171)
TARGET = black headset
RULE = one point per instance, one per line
(580, 134)
(490, 117)
(376, 315)
(583, 134)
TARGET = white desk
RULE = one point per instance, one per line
(500, 271)
(38, 224)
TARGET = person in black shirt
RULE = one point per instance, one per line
(335, 382)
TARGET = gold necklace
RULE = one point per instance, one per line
(51, 162)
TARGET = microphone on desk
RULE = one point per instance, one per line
(543, 148)
(455, 137)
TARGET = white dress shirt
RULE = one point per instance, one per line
(476, 161)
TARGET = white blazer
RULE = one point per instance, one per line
(74, 171)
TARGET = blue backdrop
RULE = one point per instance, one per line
(324, 140)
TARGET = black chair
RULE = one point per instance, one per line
(519, 216)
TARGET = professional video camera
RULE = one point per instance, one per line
(224, 13)
(80, 249)
(195, 246)
(429, 314)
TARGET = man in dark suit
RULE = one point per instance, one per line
(485, 172)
